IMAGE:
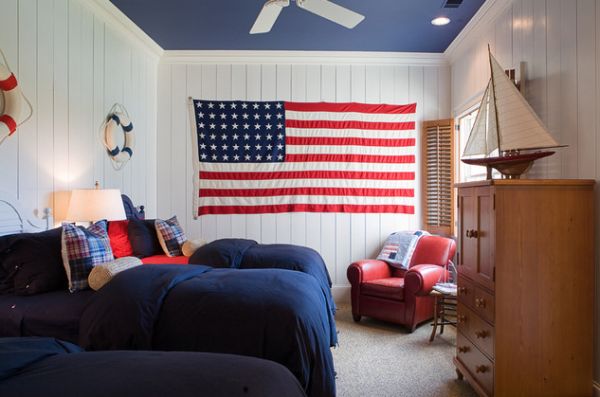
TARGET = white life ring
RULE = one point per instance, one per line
(9, 120)
(113, 121)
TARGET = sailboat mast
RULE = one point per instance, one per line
(494, 94)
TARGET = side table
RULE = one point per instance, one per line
(444, 310)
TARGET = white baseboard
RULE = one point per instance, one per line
(341, 294)
(596, 386)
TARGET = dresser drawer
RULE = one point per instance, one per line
(465, 292)
(476, 329)
(479, 366)
(484, 304)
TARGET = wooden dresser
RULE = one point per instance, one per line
(526, 287)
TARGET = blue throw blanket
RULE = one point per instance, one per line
(275, 314)
(248, 254)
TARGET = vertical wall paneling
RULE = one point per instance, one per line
(586, 87)
(73, 62)
(9, 150)
(269, 93)
(339, 238)
(560, 43)
(238, 91)
(253, 93)
(284, 93)
(194, 90)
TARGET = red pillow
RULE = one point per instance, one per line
(119, 240)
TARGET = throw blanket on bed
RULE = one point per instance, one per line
(275, 314)
(248, 254)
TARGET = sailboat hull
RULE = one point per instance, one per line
(510, 166)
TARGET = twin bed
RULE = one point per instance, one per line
(271, 302)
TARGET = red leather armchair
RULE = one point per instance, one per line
(396, 295)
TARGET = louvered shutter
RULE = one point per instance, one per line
(438, 176)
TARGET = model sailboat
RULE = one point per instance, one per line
(505, 127)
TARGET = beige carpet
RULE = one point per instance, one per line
(376, 359)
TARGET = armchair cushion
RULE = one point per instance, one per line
(388, 288)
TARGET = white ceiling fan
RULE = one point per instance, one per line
(323, 8)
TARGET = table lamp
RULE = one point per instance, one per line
(89, 205)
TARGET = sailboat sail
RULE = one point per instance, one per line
(505, 120)
(484, 135)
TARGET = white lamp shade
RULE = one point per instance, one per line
(88, 205)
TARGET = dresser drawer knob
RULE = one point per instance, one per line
(481, 369)
(481, 334)
(470, 233)
(463, 349)
(462, 290)
(479, 302)
(461, 319)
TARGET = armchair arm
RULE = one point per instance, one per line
(420, 279)
(368, 269)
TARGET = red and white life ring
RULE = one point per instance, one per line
(9, 119)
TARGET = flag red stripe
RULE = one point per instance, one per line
(307, 191)
(342, 141)
(404, 176)
(349, 125)
(349, 158)
(270, 209)
(350, 107)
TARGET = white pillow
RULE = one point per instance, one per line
(190, 246)
(102, 274)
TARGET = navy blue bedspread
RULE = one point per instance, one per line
(248, 254)
(275, 314)
(49, 367)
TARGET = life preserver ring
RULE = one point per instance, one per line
(113, 121)
(12, 103)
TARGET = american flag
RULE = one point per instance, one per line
(256, 157)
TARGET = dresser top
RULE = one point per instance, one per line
(529, 182)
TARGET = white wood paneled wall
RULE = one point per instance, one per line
(340, 238)
(560, 43)
(73, 63)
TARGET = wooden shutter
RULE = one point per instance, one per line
(438, 176)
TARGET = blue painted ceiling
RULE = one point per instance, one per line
(390, 25)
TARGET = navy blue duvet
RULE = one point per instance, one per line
(49, 367)
(275, 314)
(248, 254)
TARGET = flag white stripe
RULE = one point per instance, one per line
(350, 133)
(278, 200)
(292, 183)
(310, 166)
(342, 116)
(347, 149)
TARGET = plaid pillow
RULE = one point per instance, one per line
(82, 249)
(170, 236)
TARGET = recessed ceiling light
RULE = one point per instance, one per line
(440, 21)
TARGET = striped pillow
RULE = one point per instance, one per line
(170, 235)
(82, 249)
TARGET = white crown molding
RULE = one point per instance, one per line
(115, 18)
(304, 58)
(482, 20)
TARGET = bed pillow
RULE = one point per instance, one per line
(103, 273)
(143, 238)
(82, 249)
(226, 252)
(31, 263)
(119, 238)
(190, 246)
(170, 235)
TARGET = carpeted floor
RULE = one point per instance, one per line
(376, 359)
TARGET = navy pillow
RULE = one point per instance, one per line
(31, 263)
(227, 252)
(143, 238)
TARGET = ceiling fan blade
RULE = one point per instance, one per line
(268, 15)
(332, 11)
